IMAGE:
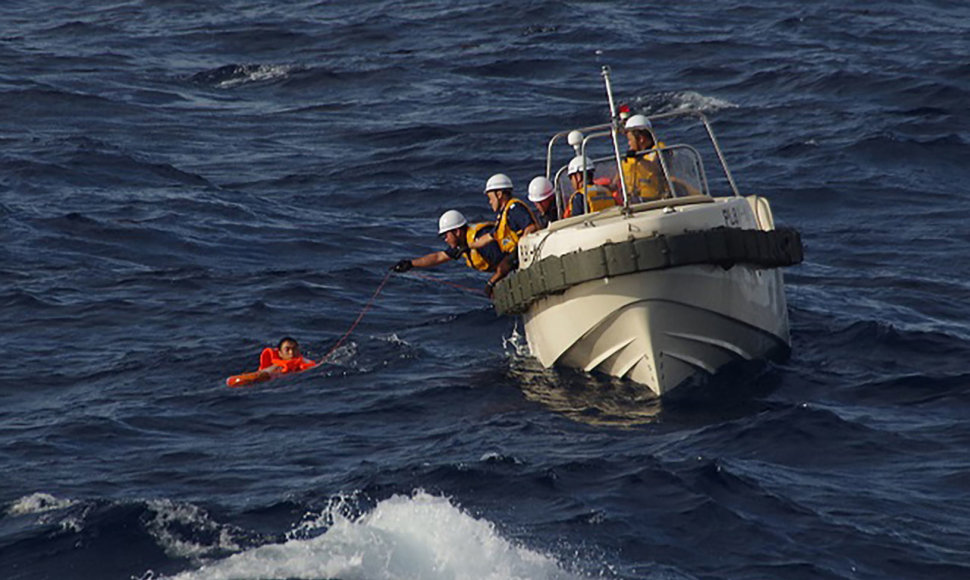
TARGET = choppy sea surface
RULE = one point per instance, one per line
(183, 183)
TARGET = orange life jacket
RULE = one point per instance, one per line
(271, 357)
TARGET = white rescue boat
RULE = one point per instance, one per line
(663, 292)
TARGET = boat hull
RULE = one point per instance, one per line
(662, 328)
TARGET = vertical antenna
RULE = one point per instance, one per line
(614, 129)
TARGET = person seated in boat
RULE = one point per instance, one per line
(455, 231)
(285, 358)
(642, 172)
(587, 197)
(542, 196)
(513, 218)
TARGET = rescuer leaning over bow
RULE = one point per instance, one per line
(459, 235)
(513, 217)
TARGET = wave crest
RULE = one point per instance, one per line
(417, 536)
(233, 75)
(37, 503)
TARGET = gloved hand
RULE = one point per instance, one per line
(402, 266)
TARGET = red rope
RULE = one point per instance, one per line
(356, 322)
(374, 297)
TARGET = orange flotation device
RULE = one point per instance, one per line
(270, 357)
(270, 367)
(247, 379)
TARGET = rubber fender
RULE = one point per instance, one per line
(791, 245)
(584, 265)
(722, 246)
(652, 253)
(552, 274)
(687, 249)
(500, 297)
(620, 258)
(519, 292)
(536, 284)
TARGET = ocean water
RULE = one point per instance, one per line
(183, 183)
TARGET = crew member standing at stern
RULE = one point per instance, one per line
(641, 170)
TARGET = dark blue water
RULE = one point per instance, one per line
(183, 183)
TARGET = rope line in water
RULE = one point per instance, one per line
(258, 376)
(356, 322)
(374, 297)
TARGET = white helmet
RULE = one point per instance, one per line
(498, 181)
(540, 188)
(450, 220)
(580, 163)
(638, 123)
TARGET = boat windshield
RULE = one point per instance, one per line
(675, 160)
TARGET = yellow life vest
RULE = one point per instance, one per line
(507, 238)
(472, 257)
(596, 197)
(644, 180)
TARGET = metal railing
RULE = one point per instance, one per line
(608, 130)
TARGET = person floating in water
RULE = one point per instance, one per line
(273, 362)
(285, 358)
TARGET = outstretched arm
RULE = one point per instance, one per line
(431, 260)
(425, 261)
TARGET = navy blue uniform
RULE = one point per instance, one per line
(519, 218)
(491, 251)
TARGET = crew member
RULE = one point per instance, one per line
(642, 172)
(454, 229)
(542, 195)
(587, 196)
(513, 218)
(285, 358)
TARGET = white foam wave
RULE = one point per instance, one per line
(171, 520)
(421, 536)
(51, 510)
(515, 344)
(256, 73)
(691, 100)
(345, 355)
(36, 503)
(393, 338)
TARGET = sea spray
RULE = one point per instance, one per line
(417, 536)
